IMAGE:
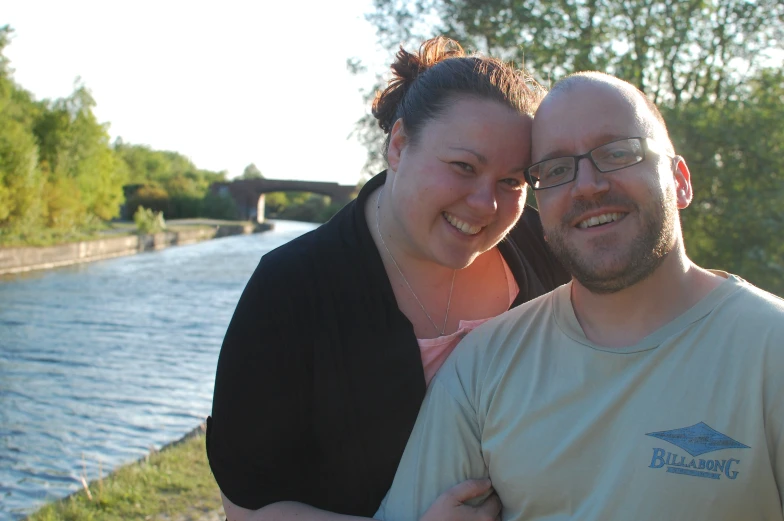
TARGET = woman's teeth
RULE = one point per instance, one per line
(462, 225)
(599, 219)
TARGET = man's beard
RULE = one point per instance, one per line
(628, 264)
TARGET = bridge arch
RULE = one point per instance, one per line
(248, 193)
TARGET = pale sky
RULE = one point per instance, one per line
(225, 83)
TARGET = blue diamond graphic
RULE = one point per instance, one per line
(698, 439)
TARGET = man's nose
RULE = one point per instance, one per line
(589, 181)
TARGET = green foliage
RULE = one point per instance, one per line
(217, 206)
(251, 172)
(149, 196)
(57, 170)
(75, 147)
(671, 49)
(302, 206)
(710, 65)
(147, 221)
(734, 151)
(299, 206)
(182, 205)
(173, 172)
(21, 183)
(274, 203)
(60, 176)
(172, 184)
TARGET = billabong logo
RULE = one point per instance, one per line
(696, 440)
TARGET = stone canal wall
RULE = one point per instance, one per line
(16, 260)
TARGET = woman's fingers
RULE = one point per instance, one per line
(490, 509)
(451, 505)
(469, 489)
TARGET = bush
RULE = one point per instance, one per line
(148, 221)
(215, 206)
(149, 196)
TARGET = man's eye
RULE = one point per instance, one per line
(556, 171)
(618, 156)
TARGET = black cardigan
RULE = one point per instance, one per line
(320, 379)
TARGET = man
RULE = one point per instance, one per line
(646, 388)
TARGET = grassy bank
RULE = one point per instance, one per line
(49, 237)
(174, 484)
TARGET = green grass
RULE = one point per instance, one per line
(46, 237)
(175, 483)
(49, 237)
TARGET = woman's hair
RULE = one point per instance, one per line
(424, 84)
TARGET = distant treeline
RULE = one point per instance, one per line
(61, 177)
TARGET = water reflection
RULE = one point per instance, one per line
(100, 362)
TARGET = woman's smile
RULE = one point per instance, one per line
(462, 226)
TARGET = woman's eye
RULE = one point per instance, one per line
(463, 166)
(512, 182)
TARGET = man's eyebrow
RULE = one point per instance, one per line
(601, 139)
(482, 159)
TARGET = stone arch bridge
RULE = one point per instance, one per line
(248, 194)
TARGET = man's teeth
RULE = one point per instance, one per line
(462, 225)
(599, 219)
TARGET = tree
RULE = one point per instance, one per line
(251, 172)
(734, 150)
(673, 50)
(710, 65)
(75, 148)
(21, 182)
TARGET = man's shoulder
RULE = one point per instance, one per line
(754, 304)
(748, 320)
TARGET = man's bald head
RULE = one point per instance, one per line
(610, 227)
(650, 117)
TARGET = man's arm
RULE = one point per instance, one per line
(444, 450)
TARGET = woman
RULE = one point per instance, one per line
(326, 360)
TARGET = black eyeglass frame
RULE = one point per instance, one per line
(644, 146)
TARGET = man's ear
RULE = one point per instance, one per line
(682, 176)
(397, 142)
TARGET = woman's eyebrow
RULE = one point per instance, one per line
(482, 159)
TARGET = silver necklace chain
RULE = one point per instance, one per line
(451, 287)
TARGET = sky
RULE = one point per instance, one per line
(225, 83)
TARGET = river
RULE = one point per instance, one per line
(101, 362)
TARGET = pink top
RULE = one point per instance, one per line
(435, 350)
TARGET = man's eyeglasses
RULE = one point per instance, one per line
(609, 157)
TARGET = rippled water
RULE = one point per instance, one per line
(101, 362)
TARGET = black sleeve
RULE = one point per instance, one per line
(529, 235)
(259, 435)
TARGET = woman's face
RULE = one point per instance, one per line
(458, 189)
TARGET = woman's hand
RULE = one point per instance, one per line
(452, 504)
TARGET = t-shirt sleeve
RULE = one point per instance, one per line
(774, 406)
(444, 449)
(259, 435)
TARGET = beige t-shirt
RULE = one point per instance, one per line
(687, 424)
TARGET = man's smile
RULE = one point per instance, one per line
(600, 219)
